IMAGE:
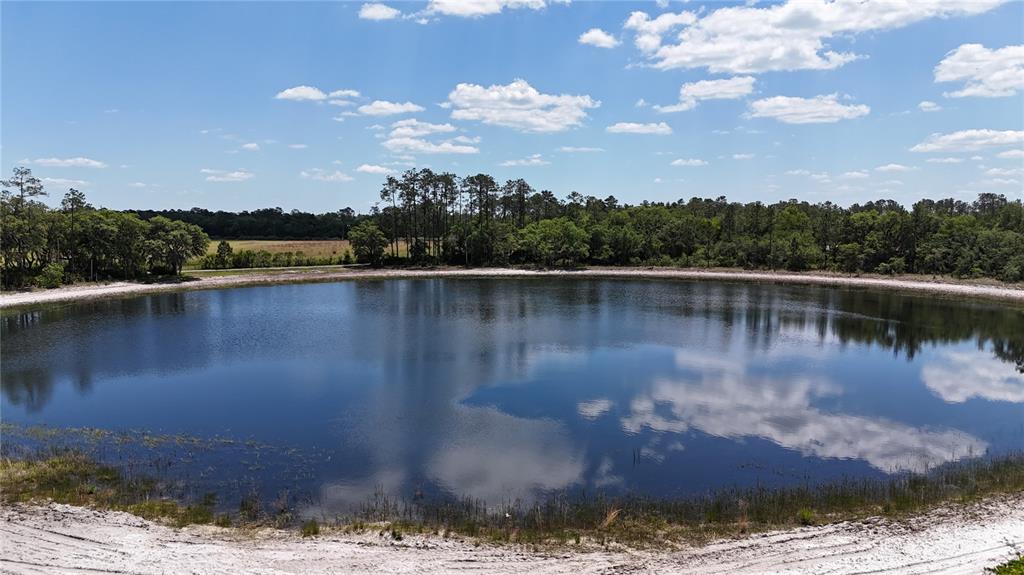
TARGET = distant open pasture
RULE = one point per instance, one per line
(310, 248)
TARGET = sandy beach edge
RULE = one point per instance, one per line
(299, 275)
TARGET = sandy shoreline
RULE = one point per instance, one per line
(125, 289)
(58, 538)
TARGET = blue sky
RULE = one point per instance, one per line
(230, 105)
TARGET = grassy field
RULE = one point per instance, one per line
(311, 248)
(317, 248)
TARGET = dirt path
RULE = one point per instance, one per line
(295, 275)
(64, 539)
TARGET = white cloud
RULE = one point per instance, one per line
(593, 408)
(1005, 172)
(599, 38)
(138, 185)
(519, 105)
(413, 128)
(420, 146)
(77, 162)
(927, 106)
(373, 169)
(251, 146)
(64, 182)
(855, 175)
(579, 149)
(478, 8)
(959, 376)
(985, 73)
(298, 146)
(788, 36)
(742, 156)
(824, 109)
(533, 160)
(225, 175)
(800, 172)
(375, 11)
(407, 137)
(301, 93)
(726, 89)
(660, 129)
(322, 175)
(1011, 155)
(970, 140)
(649, 32)
(689, 162)
(944, 160)
(723, 399)
(385, 108)
(894, 168)
(344, 94)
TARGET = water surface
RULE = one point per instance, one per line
(512, 388)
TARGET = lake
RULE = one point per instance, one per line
(500, 389)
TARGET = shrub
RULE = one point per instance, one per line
(51, 276)
(310, 528)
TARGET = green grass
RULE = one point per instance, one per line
(559, 519)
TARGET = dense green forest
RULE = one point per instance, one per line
(48, 247)
(426, 217)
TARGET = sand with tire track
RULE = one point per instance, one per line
(339, 273)
(58, 538)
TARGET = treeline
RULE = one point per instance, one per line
(48, 247)
(265, 224)
(477, 221)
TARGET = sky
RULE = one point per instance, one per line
(245, 105)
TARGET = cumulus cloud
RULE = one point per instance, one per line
(301, 93)
(408, 137)
(478, 8)
(385, 108)
(226, 175)
(373, 169)
(958, 376)
(789, 36)
(742, 156)
(599, 38)
(944, 160)
(970, 140)
(825, 109)
(726, 89)
(1011, 155)
(520, 106)
(251, 147)
(723, 400)
(593, 408)
(660, 128)
(689, 162)
(76, 162)
(413, 128)
(322, 175)
(579, 149)
(376, 11)
(927, 106)
(985, 73)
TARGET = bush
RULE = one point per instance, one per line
(51, 277)
(310, 528)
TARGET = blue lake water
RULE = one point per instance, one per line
(513, 388)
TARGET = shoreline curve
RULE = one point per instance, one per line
(298, 275)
